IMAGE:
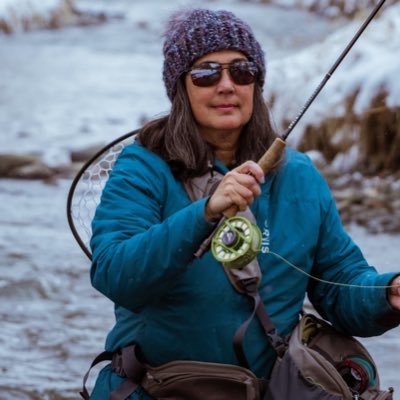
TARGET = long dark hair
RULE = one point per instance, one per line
(176, 138)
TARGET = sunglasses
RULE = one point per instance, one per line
(209, 73)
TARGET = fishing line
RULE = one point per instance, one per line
(326, 281)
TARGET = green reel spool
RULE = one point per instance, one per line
(236, 242)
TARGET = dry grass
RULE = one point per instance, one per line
(380, 137)
(376, 133)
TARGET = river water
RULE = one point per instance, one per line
(61, 90)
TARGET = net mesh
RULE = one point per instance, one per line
(89, 186)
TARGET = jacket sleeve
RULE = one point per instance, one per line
(137, 254)
(361, 309)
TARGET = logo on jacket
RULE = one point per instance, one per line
(265, 239)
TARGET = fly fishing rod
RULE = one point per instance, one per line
(237, 241)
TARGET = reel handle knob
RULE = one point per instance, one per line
(229, 238)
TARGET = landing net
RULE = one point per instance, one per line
(85, 192)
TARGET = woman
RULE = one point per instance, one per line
(146, 229)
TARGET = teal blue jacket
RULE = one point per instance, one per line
(175, 307)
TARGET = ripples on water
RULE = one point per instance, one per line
(53, 322)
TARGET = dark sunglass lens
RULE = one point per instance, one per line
(205, 76)
(243, 73)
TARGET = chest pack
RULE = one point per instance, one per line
(315, 363)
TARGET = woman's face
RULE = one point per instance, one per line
(224, 107)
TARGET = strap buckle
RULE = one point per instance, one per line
(279, 343)
(126, 364)
(117, 364)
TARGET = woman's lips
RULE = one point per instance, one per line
(225, 107)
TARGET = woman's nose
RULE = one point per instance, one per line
(226, 83)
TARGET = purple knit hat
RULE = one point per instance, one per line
(195, 33)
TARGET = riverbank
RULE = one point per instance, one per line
(372, 202)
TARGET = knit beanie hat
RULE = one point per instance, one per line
(195, 33)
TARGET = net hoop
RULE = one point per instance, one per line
(85, 191)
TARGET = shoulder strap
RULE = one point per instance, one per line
(244, 280)
(104, 356)
(126, 364)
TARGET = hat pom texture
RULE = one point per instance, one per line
(192, 34)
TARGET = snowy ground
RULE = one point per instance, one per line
(371, 66)
(62, 90)
(84, 86)
(298, 54)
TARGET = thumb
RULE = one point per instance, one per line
(395, 286)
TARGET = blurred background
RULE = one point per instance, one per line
(76, 74)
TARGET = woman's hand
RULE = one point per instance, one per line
(394, 292)
(238, 188)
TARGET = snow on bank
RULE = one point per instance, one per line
(330, 8)
(371, 67)
(27, 14)
(25, 8)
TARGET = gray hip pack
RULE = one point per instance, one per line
(314, 363)
(318, 364)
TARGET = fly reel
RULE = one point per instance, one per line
(358, 373)
(236, 242)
